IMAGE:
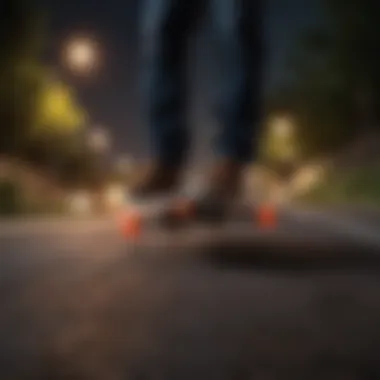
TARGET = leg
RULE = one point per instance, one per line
(165, 28)
(237, 25)
(238, 40)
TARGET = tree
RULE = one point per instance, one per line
(41, 119)
(356, 38)
(21, 41)
(52, 132)
(22, 26)
(333, 81)
(57, 110)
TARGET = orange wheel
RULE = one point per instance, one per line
(267, 217)
(132, 225)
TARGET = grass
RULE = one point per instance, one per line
(359, 186)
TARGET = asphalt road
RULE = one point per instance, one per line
(300, 302)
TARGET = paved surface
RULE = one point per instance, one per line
(368, 215)
(79, 302)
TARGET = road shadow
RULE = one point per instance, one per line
(291, 256)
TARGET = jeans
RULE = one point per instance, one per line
(165, 28)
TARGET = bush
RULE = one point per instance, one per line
(13, 202)
(357, 186)
(9, 198)
(43, 208)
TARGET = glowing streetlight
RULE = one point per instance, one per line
(82, 55)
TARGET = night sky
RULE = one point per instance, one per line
(111, 98)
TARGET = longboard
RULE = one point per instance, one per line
(173, 213)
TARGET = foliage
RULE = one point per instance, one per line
(9, 198)
(355, 186)
(21, 41)
(41, 119)
(333, 81)
(57, 110)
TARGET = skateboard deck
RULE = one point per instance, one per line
(173, 213)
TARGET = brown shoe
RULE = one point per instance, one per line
(154, 180)
(223, 187)
(225, 180)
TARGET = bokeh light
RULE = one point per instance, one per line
(99, 140)
(81, 55)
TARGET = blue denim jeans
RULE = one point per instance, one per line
(165, 28)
